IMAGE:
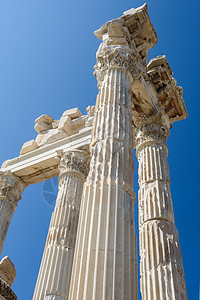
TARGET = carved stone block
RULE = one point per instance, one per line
(65, 125)
(29, 146)
(72, 113)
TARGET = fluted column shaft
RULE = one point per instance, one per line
(11, 188)
(161, 268)
(55, 271)
(105, 263)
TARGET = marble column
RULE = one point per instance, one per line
(55, 271)
(161, 268)
(105, 260)
(11, 188)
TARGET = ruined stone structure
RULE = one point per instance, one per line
(91, 250)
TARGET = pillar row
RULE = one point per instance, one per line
(55, 271)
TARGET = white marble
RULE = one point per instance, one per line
(55, 271)
(135, 107)
(11, 188)
(105, 260)
(42, 164)
(161, 267)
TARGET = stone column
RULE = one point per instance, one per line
(161, 268)
(105, 262)
(11, 188)
(55, 270)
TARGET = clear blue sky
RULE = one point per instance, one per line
(47, 54)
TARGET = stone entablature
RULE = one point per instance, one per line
(42, 163)
(169, 94)
(135, 107)
(39, 158)
(50, 130)
(39, 161)
(138, 31)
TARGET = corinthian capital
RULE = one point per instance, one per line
(117, 51)
(11, 187)
(117, 57)
(151, 133)
(75, 160)
(153, 129)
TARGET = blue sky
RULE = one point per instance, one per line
(47, 54)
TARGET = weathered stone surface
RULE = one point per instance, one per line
(90, 113)
(170, 95)
(42, 164)
(29, 146)
(45, 119)
(72, 113)
(137, 29)
(50, 136)
(70, 123)
(7, 270)
(6, 292)
(54, 279)
(41, 127)
(11, 188)
(43, 123)
(65, 124)
(161, 268)
(105, 263)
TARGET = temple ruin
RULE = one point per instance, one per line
(91, 248)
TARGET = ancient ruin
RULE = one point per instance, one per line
(91, 250)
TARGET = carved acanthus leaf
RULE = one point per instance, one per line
(151, 133)
(117, 57)
(11, 187)
(75, 160)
